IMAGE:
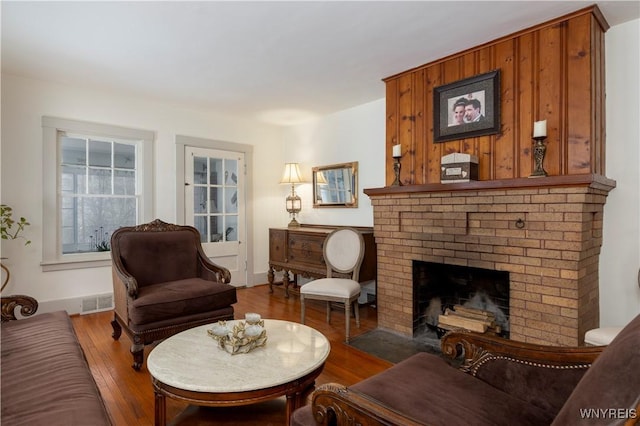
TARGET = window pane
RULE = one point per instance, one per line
(124, 182)
(73, 179)
(68, 238)
(216, 171)
(74, 151)
(68, 213)
(232, 228)
(200, 223)
(68, 203)
(95, 219)
(200, 199)
(99, 181)
(124, 156)
(216, 229)
(99, 153)
(199, 170)
(231, 173)
(231, 205)
(215, 200)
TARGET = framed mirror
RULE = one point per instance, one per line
(335, 185)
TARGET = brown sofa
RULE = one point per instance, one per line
(45, 377)
(500, 382)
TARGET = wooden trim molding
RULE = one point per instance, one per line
(588, 180)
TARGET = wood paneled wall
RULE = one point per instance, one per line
(553, 72)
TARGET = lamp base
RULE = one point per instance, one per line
(294, 223)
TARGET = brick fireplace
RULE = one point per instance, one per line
(546, 233)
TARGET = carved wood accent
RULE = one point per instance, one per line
(334, 404)
(28, 306)
(477, 349)
(553, 71)
(157, 226)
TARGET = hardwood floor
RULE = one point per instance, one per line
(129, 394)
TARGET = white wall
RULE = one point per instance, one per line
(620, 257)
(25, 101)
(356, 134)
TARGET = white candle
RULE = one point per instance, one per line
(397, 151)
(540, 129)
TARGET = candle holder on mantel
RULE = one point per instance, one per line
(539, 151)
(396, 170)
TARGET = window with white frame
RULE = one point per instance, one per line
(97, 179)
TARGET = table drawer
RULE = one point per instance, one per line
(307, 249)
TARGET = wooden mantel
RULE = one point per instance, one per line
(589, 180)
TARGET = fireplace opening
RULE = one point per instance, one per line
(438, 287)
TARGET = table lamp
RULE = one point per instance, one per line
(294, 203)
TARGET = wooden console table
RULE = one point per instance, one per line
(299, 251)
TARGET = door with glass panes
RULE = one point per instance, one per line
(215, 205)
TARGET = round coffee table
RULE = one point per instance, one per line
(190, 367)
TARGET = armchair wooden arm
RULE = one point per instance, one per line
(476, 346)
(335, 404)
(123, 278)
(28, 305)
(210, 271)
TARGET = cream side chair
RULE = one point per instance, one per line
(343, 251)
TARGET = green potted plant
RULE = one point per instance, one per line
(10, 229)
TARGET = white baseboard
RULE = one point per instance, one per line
(79, 305)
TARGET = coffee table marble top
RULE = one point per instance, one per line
(191, 360)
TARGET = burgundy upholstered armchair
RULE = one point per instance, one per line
(163, 283)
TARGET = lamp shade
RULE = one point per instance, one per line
(291, 174)
(320, 179)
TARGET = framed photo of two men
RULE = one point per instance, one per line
(467, 108)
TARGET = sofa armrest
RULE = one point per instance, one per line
(477, 347)
(541, 375)
(210, 271)
(335, 404)
(28, 305)
(123, 278)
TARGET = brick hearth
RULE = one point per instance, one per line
(552, 259)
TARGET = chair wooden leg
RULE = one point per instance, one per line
(117, 329)
(356, 309)
(301, 309)
(138, 356)
(328, 312)
(347, 318)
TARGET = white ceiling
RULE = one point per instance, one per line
(275, 61)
